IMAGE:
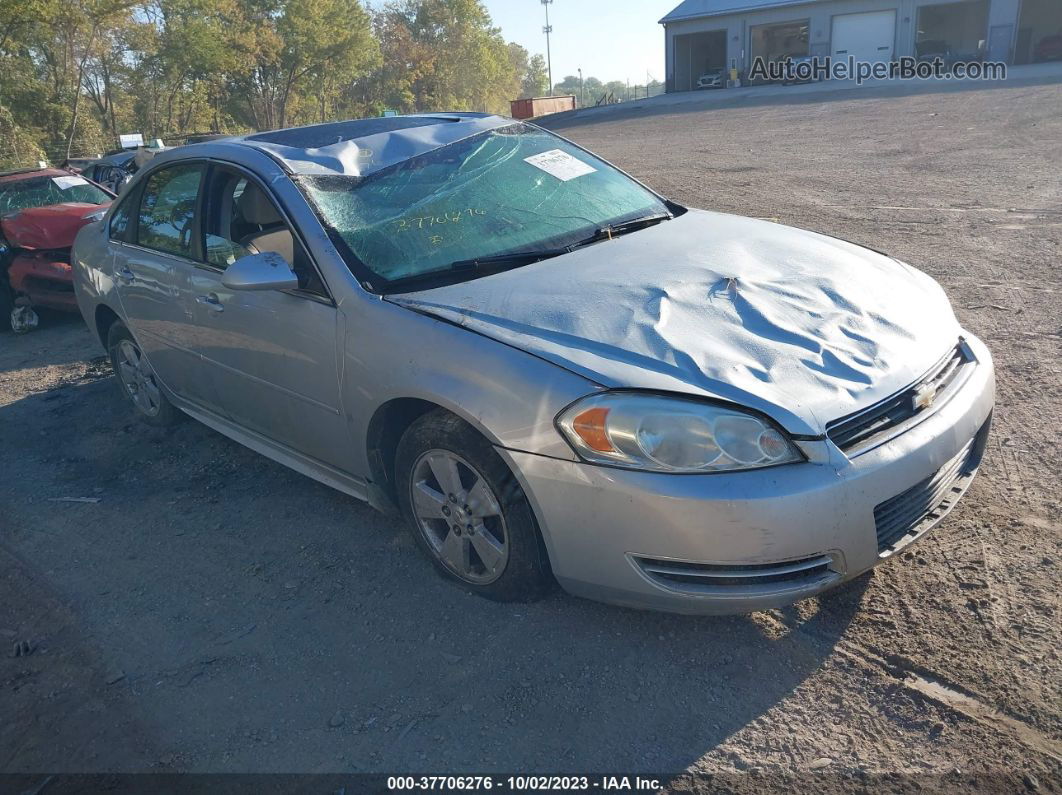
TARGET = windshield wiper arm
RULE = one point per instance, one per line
(511, 258)
(614, 230)
(534, 255)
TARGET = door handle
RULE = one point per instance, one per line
(125, 275)
(211, 300)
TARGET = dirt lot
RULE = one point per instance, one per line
(209, 610)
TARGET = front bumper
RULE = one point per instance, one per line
(733, 543)
(44, 278)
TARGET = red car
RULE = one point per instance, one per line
(41, 211)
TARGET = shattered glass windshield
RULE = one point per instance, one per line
(44, 191)
(512, 189)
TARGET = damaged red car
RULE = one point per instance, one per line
(41, 211)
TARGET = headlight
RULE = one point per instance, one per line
(96, 215)
(667, 434)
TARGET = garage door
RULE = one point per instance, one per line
(866, 37)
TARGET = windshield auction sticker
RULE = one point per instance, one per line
(560, 164)
(68, 182)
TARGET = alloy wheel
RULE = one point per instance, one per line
(460, 516)
(138, 378)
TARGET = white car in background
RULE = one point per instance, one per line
(714, 78)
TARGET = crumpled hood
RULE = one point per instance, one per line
(803, 327)
(54, 226)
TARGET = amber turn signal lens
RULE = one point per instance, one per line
(590, 425)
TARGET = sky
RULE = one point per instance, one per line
(609, 39)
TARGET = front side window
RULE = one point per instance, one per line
(511, 189)
(228, 232)
(24, 194)
(241, 219)
(167, 210)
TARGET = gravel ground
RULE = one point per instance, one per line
(208, 610)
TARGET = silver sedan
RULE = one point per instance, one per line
(552, 372)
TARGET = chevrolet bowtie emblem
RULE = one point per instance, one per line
(923, 397)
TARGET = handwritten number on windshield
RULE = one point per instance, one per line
(428, 221)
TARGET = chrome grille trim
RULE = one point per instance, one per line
(864, 429)
(739, 579)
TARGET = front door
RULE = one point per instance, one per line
(271, 355)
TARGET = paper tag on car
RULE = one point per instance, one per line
(64, 183)
(560, 164)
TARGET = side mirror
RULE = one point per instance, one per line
(265, 271)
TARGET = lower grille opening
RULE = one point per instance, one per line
(903, 518)
(716, 578)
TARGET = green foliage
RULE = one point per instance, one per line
(592, 91)
(18, 145)
(535, 82)
(586, 93)
(452, 57)
(75, 74)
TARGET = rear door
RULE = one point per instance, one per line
(271, 355)
(154, 232)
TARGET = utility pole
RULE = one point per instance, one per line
(547, 29)
(582, 93)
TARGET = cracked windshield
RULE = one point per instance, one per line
(512, 189)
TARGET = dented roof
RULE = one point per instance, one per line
(362, 146)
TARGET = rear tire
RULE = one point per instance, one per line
(137, 380)
(472, 519)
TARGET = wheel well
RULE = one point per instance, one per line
(105, 318)
(385, 429)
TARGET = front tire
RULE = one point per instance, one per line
(137, 379)
(467, 512)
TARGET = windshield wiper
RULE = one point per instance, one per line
(511, 258)
(623, 227)
(612, 230)
(638, 223)
(515, 259)
(534, 255)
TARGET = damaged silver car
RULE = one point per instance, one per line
(551, 371)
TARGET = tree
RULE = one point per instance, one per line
(586, 93)
(536, 78)
(520, 61)
(76, 73)
(300, 53)
(444, 55)
(52, 48)
(615, 88)
(529, 71)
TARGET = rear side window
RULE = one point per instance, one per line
(119, 226)
(167, 210)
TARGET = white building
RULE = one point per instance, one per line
(703, 35)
